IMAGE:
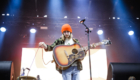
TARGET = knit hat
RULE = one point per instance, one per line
(66, 27)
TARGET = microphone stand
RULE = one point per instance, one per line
(88, 31)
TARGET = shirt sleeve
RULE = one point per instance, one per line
(50, 47)
(76, 40)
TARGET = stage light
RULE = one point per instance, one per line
(45, 15)
(100, 32)
(32, 30)
(118, 17)
(3, 14)
(131, 32)
(78, 17)
(113, 17)
(8, 14)
(37, 15)
(137, 18)
(3, 29)
(65, 16)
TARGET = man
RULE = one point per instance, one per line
(73, 72)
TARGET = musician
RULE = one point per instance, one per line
(73, 72)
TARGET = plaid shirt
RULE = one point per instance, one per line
(61, 42)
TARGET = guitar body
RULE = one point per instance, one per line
(65, 55)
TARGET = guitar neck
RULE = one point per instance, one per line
(91, 46)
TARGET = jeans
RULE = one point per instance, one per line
(72, 73)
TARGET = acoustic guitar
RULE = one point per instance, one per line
(65, 55)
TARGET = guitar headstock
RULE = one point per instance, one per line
(106, 42)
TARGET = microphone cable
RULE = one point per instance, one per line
(43, 59)
(32, 62)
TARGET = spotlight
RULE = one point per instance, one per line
(131, 32)
(8, 14)
(65, 16)
(45, 15)
(37, 15)
(3, 14)
(118, 17)
(3, 29)
(78, 17)
(113, 17)
(32, 30)
(100, 32)
(137, 18)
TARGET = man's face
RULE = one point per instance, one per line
(66, 34)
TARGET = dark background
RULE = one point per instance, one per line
(98, 15)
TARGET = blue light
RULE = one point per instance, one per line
(3, 29)
(56, 6)
(32, 30)
(131, 32)
(100, 32)
(16, 3)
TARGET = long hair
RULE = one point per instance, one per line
(64, 38)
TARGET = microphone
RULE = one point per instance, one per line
(82, 21)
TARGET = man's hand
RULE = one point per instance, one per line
(42, 44)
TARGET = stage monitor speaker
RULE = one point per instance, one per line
(6, 70)
(124, 71)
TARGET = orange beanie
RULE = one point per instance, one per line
(66, 27)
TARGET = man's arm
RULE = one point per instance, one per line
(50, 47)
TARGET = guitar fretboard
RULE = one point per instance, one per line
(91, 46)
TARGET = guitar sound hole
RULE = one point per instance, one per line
(74, 51)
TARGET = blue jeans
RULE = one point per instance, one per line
(72, 73)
